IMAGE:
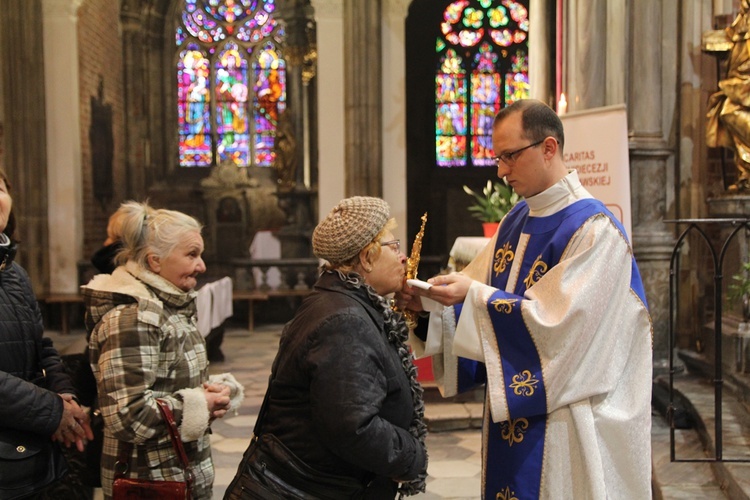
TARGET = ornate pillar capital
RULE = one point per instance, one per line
(328, 9)
(397, 9)
(52, 9)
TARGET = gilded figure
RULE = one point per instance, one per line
(728, 117)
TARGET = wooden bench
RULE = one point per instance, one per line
(66, 301)
(251, 296)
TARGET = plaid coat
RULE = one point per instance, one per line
(144, 345)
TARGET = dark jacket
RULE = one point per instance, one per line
(104, 258)
(340, 399)
(24, 405)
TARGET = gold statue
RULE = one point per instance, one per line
(729, 109)
(285, 147)
(412, 264)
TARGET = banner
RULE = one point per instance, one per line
(596, 145)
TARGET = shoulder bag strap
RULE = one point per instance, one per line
(262, 412)
(264, 406)
(174, 433)
(121, 465)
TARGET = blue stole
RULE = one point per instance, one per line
(515, 448)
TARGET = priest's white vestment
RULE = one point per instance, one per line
(556, 325)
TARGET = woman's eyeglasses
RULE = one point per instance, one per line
(394, 244)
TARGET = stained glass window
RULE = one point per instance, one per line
(451, 111)
(231, 82)
(268, 91)
(486, 40)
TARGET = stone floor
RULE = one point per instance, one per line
(454, 442)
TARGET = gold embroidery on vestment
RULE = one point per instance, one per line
(503, 257)
(504, 305)
(513, 430)
(506, 494)
(537, 271)
(524, 384)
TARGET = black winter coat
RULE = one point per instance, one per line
(340, 399)
(24, 405)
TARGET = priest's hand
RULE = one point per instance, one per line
(448, 289)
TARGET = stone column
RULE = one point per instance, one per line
(296, 16)
(25, 158)
(652, 239)
(585, 46)
(296, 199)
(330, 117)
(137, 157)
(65, 197)
(541, 61)
(363, 91)
(394, 111)
(157, 140)
(615, 83)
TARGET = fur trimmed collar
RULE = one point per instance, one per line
(131, 280)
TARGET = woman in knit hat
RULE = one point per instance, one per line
(343, 401)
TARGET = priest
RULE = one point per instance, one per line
(552, 317)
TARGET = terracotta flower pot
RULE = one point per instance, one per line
(489, 228)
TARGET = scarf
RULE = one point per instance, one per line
(397, 334)
(7, 251)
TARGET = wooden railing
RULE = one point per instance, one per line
(297, 275)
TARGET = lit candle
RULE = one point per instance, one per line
(562, 104)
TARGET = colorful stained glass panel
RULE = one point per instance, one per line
(240, 124)
(450, 88)
(193, 113)
(270, 101)
(485, 99)
(451, 119)
(451, 151)
(477, 28)
(482, 117)
(231, 106)
(517, 80)
(450, 114)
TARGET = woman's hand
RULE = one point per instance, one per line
(217, 398)
(407, 298)
(74, 425)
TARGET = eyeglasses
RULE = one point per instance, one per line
(394, 244)
(510, 158)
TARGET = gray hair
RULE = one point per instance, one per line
(146, 230)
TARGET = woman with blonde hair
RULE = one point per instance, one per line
(104, 258)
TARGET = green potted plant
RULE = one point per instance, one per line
(739, 290)
(491, 205)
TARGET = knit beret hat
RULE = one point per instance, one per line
(349, 227)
